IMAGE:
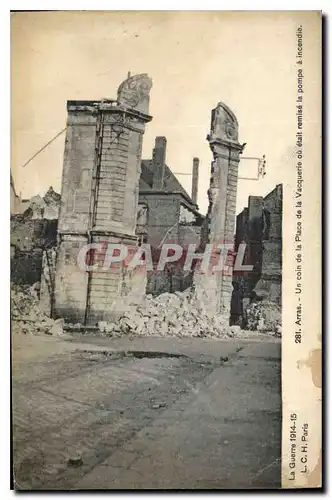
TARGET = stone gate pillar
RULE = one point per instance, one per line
(99, 199)
(216, 289)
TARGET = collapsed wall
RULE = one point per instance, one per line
(259, 227)
(29, 237)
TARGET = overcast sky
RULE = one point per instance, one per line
(195, 60)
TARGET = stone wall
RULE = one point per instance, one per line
(269, 284)
(259, 227)
(29, 237)
(165, 226)
(26, 266)
(163, 216)
(215, 290)
(172, 279)
(47, 281)
(99, 197)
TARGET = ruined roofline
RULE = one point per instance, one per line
(190, 204)
(263, 197)
(147, 177)
(94, 106)
(165, 192)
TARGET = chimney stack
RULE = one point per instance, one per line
(194, 186)
(159, 158)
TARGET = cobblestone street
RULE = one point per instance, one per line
(147, 413)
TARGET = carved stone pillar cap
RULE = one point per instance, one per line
(134, 92)
(224, 125)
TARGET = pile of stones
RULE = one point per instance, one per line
(26, 315)
(264, 316)
(177, 314)
(170, 314)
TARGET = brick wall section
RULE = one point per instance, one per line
(273, 203)
(249, 231)
(163, 225)
(269, 285)
(159, 158)
(163, 216)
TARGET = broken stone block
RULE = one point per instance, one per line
(102, 326)
(278, 331)
(57, 328)
(109, 327)
(163, 330)
(263, 316)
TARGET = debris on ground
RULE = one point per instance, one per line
(26, 314)
(159, 405)
(169, 314)
(57, 328)
(264, 316)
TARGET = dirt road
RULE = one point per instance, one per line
(97, 413)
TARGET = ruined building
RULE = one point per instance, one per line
(165, 200)
(259, 226)
(99, 196)
(33, 228)
(167, 214)
(111, 196)
(17, 205)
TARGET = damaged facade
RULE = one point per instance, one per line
(259, 226)
(99, 196)
(215, 290)
(167, 214)
(110, 195)
(33, 228)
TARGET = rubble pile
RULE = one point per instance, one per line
(44, 207)
(26, 314)
(170, 314)
(52, 201)
(264, 316)
(176, 314)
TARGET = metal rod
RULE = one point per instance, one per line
(180, 173)
(44, 147)
(249, 178)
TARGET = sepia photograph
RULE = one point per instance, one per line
(163, 325)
